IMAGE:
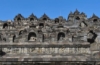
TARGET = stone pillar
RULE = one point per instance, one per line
(64, 50)
(37, 49)
(22, 50)
(74, 50)
(19, 50)
(25, 50)
(53, 50)
(47, 51)
(11, 39)
(43, 50)
(82, 50)
(67, 50)
(15, 50)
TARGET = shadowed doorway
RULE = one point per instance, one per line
(31, 36)
(61, 35)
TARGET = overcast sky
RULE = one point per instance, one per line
(53, 8)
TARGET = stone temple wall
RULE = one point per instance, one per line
(76, 38)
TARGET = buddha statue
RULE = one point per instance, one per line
(32, 39)
(61, 38)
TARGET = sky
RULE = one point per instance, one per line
(53, 8)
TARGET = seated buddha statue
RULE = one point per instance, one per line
(32, 39)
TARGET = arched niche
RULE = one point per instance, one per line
(32, 36)
(92, 40)
(2, 53)
(5, 25)
(14, 36)
(18, 19)
(77, 18)
(95, 20)
(44, 19)
(31, 19)
(20, 32)
(57, 20)
(4, 39)
(60, 36)
(41, 24)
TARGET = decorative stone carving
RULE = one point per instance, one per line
(47, 36)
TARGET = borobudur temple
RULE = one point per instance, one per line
(47, 41)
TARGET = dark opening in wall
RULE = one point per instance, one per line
(44, 19)
(31, 19)
(39, 31)
(5, 25)
(43, 38)
(41, 24)
(4, 39)
(92, 40)
(95, 20)
(18, 19)
(14, 38)
(2, 53)
(31, 34)
(61, 35)
(56, 20)
(77, 18)
(21, 32)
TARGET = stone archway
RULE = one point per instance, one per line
(18, 19)
(2, 53)
(20, 32)
(44, 19)
(56, 20)
(5, 25)
(60, 36)
(92, 40)
(14, 38)
(95, 20)
(77, 18)
(31, 19)
(32, 36)
(41, 24)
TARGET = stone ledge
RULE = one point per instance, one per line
(46, 46)
(40, 58)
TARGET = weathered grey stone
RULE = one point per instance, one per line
(32, 38)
